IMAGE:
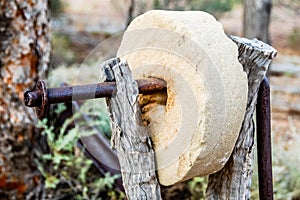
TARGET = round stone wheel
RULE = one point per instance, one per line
(195, 129)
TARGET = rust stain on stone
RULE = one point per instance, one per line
(147, 102)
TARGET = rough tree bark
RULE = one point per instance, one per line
(257, 19)
(234, 180)
(129, 136)
(130, 12)
(138, 7)
(24, 58)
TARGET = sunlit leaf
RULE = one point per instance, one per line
(51, 182)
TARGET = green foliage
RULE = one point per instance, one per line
(215, 7)
(97, 111)
(61, 45)
(56, 7)
(294, 39)
(65, 168)
(157, 4)
(286, 175)
(197, 187)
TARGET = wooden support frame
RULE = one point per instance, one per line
(234, 180)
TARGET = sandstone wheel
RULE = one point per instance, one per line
(195, 131)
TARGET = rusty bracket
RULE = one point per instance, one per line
(41, 97)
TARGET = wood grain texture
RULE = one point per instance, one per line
(129, 137)
(234, 180)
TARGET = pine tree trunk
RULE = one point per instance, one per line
(24, 58)
(257, 19)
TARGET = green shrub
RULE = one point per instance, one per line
(67, 173)
(62, 51)
(214, 7)
(294, 39)
(157, 5)
(197, 187)
(286, 174)
(56, 7)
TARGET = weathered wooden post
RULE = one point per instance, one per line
(234, 180)
(129, 137)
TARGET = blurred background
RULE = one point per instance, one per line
(78, 26)
(84, 32)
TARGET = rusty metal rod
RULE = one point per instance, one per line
(264, 152)
(91, 91)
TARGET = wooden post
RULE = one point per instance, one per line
(129, 137)
(234, 180)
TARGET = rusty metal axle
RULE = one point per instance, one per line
(40, 97)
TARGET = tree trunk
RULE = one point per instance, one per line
(130, 137)
(138, 7)
(257, 19)
(24, 58)
(234, 180)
